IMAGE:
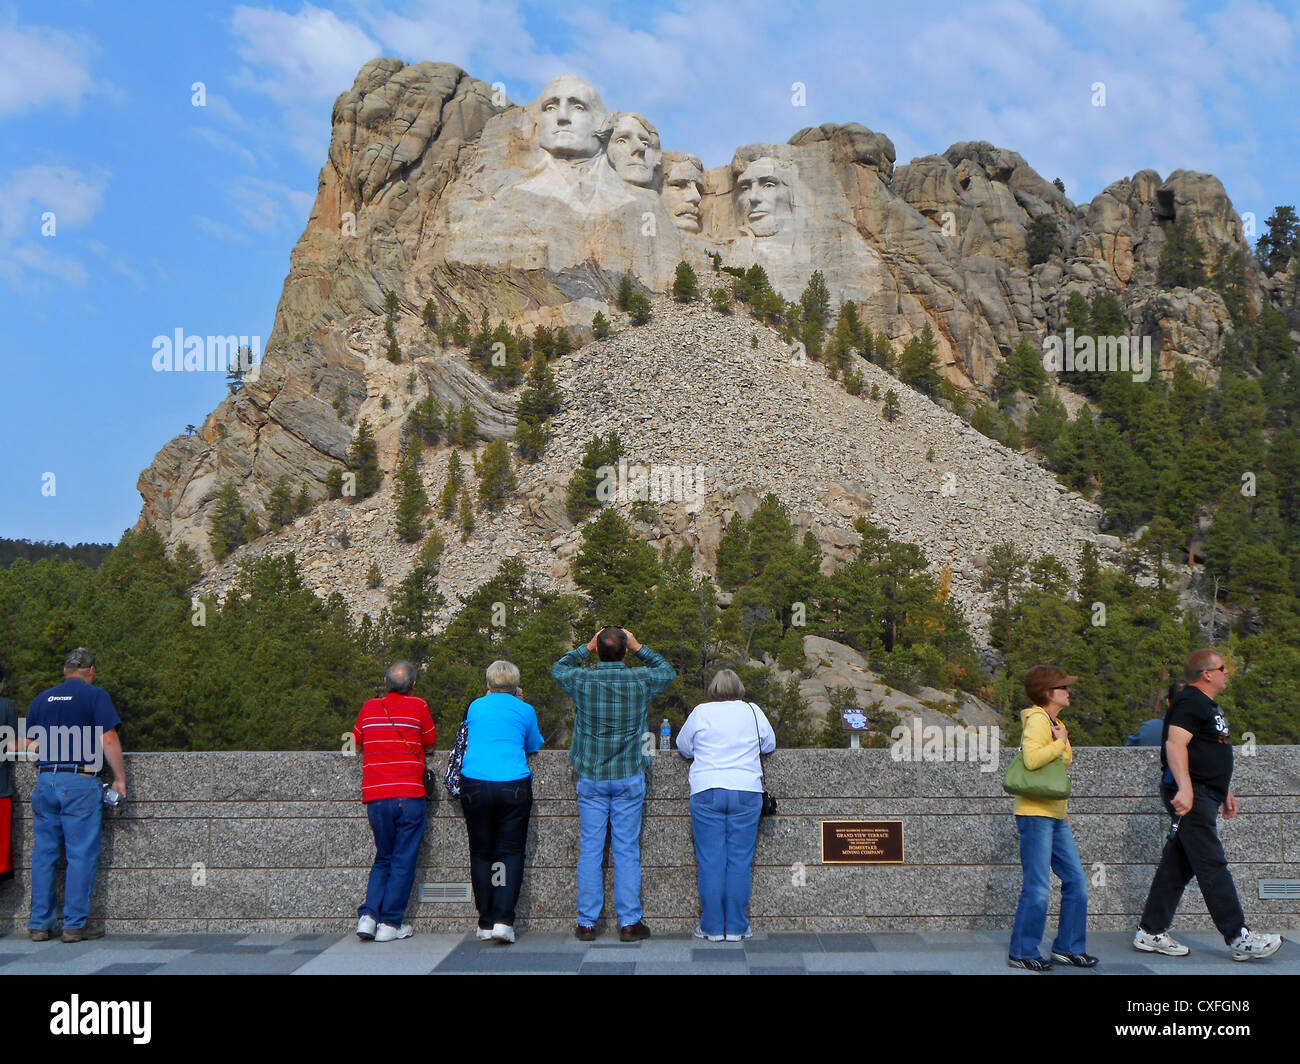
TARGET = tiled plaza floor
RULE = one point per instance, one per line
(960, 953)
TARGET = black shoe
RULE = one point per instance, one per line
(1077, 960)
(1033, 964)
(633, 932)
(585, 933)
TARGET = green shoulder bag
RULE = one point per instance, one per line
(1052, 781)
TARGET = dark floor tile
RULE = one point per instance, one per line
(777, 969)
(232, 948)
(899, 942)
(920, 971)
(717, 956)
(197, 941)
(5, 958)
(612, 968)
(499, 961)
(129, 969)
(847, 943)
(793, 943)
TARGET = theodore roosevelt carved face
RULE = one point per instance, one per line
(571, 119)
(683, 189)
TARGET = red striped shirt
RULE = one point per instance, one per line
(392, 754)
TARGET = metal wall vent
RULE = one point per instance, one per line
(453, 892)
(1283, 889)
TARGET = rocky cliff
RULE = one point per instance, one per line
(438, 189)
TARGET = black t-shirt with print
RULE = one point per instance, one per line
(1209, 754)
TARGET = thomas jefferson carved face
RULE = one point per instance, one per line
(764, 197)
(634, 150)
(571, 118)
(682, 191)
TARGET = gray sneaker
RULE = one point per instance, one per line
(1160, 943)
(1251, 944)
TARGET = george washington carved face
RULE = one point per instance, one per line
(571, 118)
(765, 197)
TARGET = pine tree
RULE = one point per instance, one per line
(303, 503)
(226, 530)
(496, 478)
(892, 408)
(543, 342)
(374, 578)
(391, 304)
(918, 367)
(1043, 238)
(530, 438)
(467, 427)
(280, 505)
(625, 290)
(363, 460)
(334, 483)
(638, 307)
(563, 342)
(466, 516)
(412, 502)
(460, 330)
(1181, 259)
(451, 489)
(429, 315)
(722, 300)
(599, 326)
(685, 284)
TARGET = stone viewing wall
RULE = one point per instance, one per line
(279, 842)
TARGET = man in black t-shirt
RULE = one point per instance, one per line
(1196, 754)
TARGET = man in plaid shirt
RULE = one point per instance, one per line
(611, 746)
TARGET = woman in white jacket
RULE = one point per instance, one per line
(724, 737)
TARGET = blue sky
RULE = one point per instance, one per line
(169, 215)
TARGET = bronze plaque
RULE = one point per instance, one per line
(862, 842)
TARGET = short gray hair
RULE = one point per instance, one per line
(400, 677)
(725, 686)
(503, 676)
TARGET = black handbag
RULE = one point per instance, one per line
(451, 779)
(769, 802)
(430, 776)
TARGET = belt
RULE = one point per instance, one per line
(83, 770)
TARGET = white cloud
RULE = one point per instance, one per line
(40, 66)
(74, 198)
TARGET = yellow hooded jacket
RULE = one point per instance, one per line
(1038, 748)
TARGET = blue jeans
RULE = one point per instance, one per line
(725, 826)
(1046, 846)
(398, 825)
(616, 805)
(67, 815)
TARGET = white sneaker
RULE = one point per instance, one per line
(483, 933)
(1251, 944)
(699, 933)
(502, 933)
(387, 932)
(366, 928)
(1161, 943)
(739, 938)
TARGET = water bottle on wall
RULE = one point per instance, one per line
(665, 735)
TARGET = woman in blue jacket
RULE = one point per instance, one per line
(497, 797)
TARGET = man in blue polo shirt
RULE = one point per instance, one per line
(73, 729)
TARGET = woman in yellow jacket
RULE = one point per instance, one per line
(1046, 842)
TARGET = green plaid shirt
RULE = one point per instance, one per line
(610, 719)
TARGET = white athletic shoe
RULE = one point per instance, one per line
(1161, 943)
(503, 933)
(483, 933)
(366, 928)
(1251, 944)
(699, 933)
(740, 938)
(387, 932)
